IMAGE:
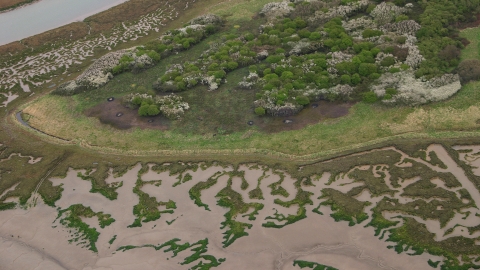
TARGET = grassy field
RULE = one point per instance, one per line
(471, 51)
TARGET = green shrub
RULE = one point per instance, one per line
(303, 100)
(219, 74)
(374, 76)
(268, 86)
(387, 61)
(249, 36)
(346, 79)
(300, 23)
(154, 55)
(370, 97)
(346, 68)
(401, 17)
(304, 33)
(273, 59)
(356, 79)
(153, 110)
(363, 46)
(394, 70)
(137, 101)
(287, 75)
(315, 36)
(232, 65)
(367, 33)
(401, 40)
(259, 111)
(270, 76)
(365, 69)
(143, 110)
(370, 8)
(391, 91)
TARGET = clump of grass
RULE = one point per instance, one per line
(415, 235)
(112, 239)
(376, 185)
(195, 191)
(312, 265)
(345, 207)
(302, 198)
(231, 199)
(71, 217)
(99, 185)
(199, 248)
(147, 208)
(276, 188)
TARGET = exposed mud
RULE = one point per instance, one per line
(108, 113)
(118, 116)
(315, 238)
(313, 114)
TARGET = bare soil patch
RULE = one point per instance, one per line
(316, 112)
(107, 113)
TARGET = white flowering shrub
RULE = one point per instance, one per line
(356, 26)
(385, 12)
(412, 91)
(273, 10)
(300, 47)
(207, 19)
(274, 109)
(339, 11)
(338, 92)
(68, 89)
(409, 27)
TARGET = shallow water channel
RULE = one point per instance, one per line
(46, 15)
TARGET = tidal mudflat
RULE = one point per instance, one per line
(255, 217)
